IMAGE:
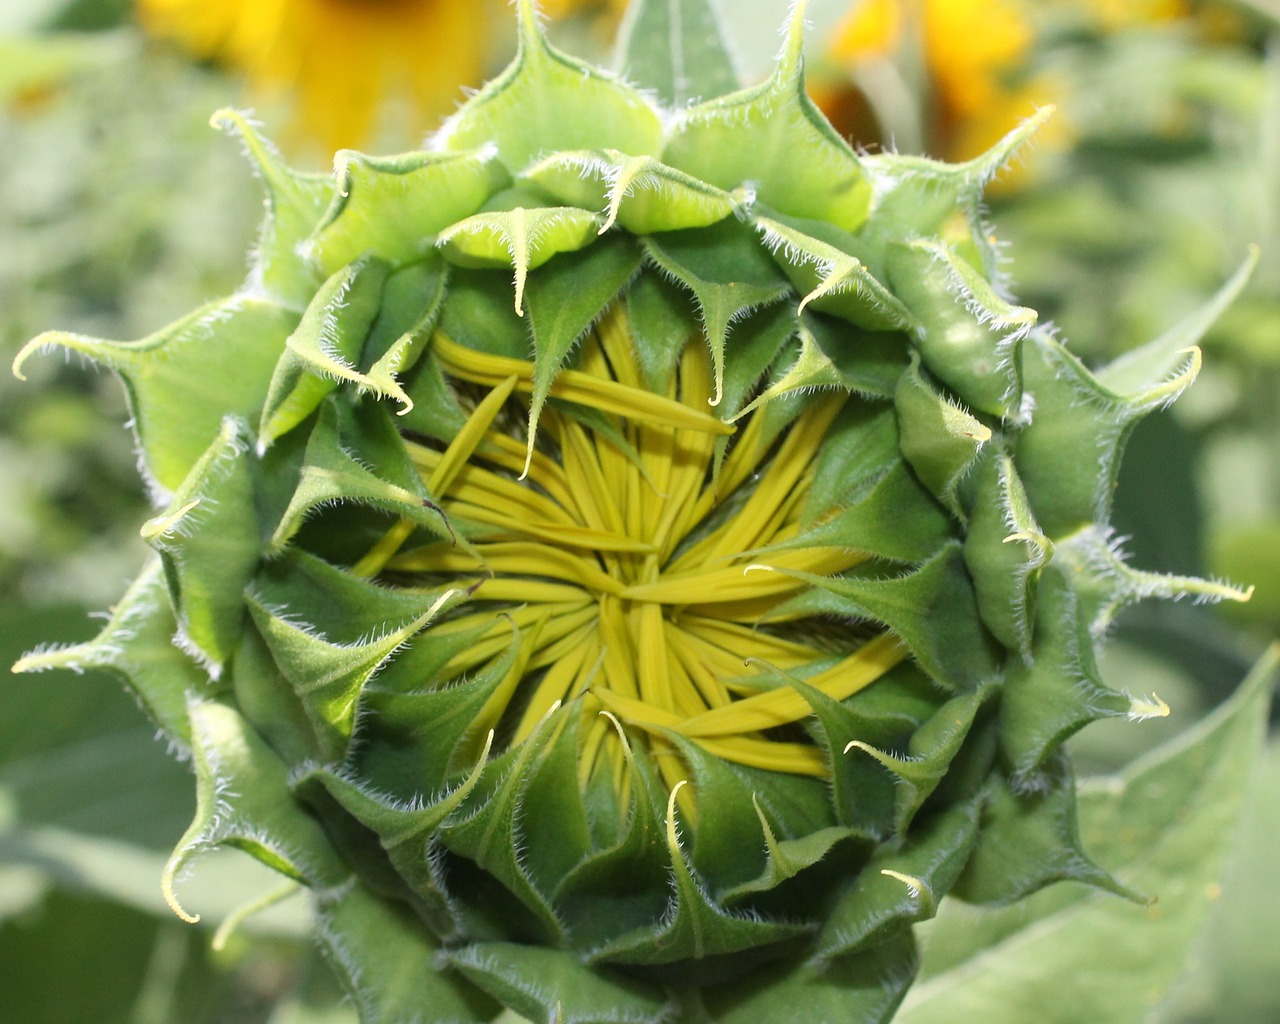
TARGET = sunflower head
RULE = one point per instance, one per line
(628, 564)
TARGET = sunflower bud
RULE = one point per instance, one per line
(629, 565)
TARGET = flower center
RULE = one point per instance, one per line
(622, 562)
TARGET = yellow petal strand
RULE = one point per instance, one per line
(708, 685)
(732, 583)
(619, 658)
(552, 688)
(746, 530)
(556, 622)
(463, 446)
(479, 486)
(652, 670)
(738, 642)
(772, 755)
(574, 386)
(785, 705)
(508, 519)
(489, 715)
(518, 558)
(509, 453)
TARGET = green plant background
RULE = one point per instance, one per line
(119, 210)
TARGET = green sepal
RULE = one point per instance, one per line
(695, 926)
(554, 985)
(546, 101)
(887, 715)
(411, 305)
(863, 988)
(1058, 691)
(623, 885)
(386, 960)
(136, 645)
(901, 886)
(918, 197)
(295, 203)
(938, 437)
(329, 671)
(932, 609)
(406, 830)
(727, 272)
(243, 801)
(772, 138)
(522, 238)
(968, 336)
(267, 699)
(209, 541)
(662, 316)
(641, 194)
(556, 835)
(894, 518)
(1105, 583)
(343, 444)
(1005, 551)
(677, 50)
(326, 347)
(929, 754)
(1029, 840)
(416, 736)
(478, 313)
(393, 207)
(735, 842)
(832, 355)
(1069, 454)
(182, 380)
(564, 301)
(859, 448)
(487, 830)
(832, 280)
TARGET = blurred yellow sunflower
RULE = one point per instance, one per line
(966, 61)
(346, 66)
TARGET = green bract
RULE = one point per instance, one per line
(661, 634)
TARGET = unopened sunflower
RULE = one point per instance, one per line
(628, 565)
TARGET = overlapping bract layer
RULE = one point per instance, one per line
(389, 742)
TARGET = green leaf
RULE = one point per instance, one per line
(553, 985)
(546, 101)
(772, 139)
(1164, 827)
(326, 347)
(521, 238)
(182, 380)
(295, 203)
(393, 207)
(859, 989)
(384, 958)
(136, 644)
(243, 801)
(727, 272)
(677, 48)
(208, 539)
